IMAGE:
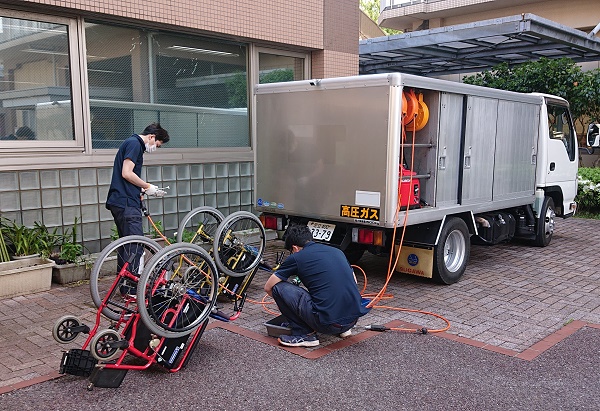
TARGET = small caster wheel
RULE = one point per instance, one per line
(90, 386)
(63, 329)
(104, 347)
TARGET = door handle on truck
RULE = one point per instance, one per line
(552, 166)
(467, 162)
(442, 160)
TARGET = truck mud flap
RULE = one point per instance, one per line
(415, 260)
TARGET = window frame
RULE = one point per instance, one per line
(77, 144)
(254, 55)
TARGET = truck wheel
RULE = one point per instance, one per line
(545, 223)
(452, 252)
(354, 253)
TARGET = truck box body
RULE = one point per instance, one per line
(330, 150)
(322, 147)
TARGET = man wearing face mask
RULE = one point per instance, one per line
(126, 185)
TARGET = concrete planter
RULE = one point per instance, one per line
(70, 273)
(25, 276)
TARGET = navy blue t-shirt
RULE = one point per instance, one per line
(326, 274)
(121, 192)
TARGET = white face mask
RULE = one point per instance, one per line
(150, 148)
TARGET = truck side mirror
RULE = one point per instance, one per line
(593, 135)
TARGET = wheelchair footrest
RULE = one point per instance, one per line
(77, 362)
(107, 377)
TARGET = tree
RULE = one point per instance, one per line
(561, 77)
(237, 89)
(371, 8)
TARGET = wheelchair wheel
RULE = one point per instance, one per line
(199, 226)
(179, 288)
(108, 290)
(62, 331)
(103, 345)
(240, 243)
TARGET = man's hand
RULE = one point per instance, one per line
(153, 190)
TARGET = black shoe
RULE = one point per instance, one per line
(309, 340)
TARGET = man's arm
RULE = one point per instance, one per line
(273, 279)
(128, 174)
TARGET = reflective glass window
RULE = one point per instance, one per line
(35, 82)
(276, 68)
(195, 87)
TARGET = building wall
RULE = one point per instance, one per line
(56, 187)
(284, 22)
(579, 14)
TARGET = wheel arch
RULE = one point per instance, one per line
(467, 217)
(557, 196)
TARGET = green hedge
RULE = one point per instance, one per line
(588, 192)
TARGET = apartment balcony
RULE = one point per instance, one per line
(411, 15)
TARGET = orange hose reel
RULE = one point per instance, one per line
(414, 109)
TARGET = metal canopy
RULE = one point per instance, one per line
(474, 47)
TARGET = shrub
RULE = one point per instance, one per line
(588, 189)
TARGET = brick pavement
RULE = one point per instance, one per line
(514, 299)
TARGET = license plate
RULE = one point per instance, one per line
(321, 231)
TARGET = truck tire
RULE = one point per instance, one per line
(452, 251)
(545, 223)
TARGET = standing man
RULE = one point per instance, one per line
(332, 304)
(124, 195)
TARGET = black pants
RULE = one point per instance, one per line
(129, 222)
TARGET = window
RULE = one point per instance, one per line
(36, 96)
(195, 87)
(274, 68)
(560, 125)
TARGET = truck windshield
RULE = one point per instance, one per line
(559, 121)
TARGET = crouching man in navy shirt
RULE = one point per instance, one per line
(331, 303)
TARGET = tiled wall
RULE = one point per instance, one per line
(56, 197)
(267, 20)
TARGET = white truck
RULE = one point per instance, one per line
(355, 157)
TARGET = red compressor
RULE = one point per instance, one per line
(408, 189)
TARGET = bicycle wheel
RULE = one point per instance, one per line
(107, 290)
(199, 226)
(179, 288)
(239, 244)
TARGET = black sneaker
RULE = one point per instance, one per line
(309, 340)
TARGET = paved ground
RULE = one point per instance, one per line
(524, 333)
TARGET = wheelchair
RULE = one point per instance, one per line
(160, 301)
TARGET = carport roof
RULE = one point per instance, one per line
(476, 46)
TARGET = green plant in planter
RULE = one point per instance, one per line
(155, 232)
(4, 257)
(114, 233)
(24, 240)
(70, 250)
(187, 236)
(49, 241)
(71, 253)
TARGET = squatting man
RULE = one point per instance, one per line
(331, 302)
